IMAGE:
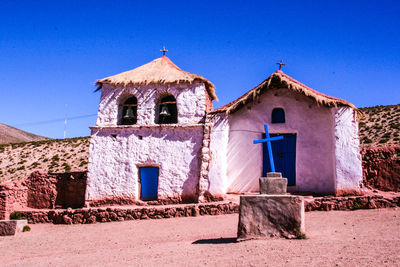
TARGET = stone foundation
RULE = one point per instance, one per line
(120, 201)
(157, 212)
(93, 215)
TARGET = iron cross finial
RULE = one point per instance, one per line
(163, 51)
(281, 64)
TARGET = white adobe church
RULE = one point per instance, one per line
(157, 137)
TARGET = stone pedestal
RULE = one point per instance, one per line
(10, 227)
(271, 216)
(7, 227)
(273, 184)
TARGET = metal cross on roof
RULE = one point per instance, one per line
(281, 64)
(268, 140)
(163, 50)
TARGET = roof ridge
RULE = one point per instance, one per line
(292, 84)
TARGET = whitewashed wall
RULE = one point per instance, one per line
(191, 101)
(175, 148)
(114, 162)
(348, 158)
(217, 174)
(313, 125)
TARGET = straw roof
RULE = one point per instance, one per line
(278, 80)
(159, 71)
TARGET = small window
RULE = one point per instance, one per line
(129, 111)
(167, 110)
(278, 115)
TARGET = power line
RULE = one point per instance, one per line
(55, 120)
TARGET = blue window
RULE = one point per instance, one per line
(278, 115)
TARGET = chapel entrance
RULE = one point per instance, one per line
(284, 153)
(148, 183)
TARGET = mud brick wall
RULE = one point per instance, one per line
(13, 196)
(41, 190)
(71, 188)
(381, 168)
(61, 190)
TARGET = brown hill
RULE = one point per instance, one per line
(9, 134)
(19, 160)
(380, 126)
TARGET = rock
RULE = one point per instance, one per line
(8, 227)
(78, 218)
(66, 219)
(91, 219)
(271, 216)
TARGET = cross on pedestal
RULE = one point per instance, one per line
(268, 140)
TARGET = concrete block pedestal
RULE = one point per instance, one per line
(273, 184)
(10, 227)
(272, 214)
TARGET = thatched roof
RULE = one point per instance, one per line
(278, 80)
(159, 71)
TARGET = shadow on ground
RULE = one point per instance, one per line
(226, 240)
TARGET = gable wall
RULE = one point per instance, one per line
(191, 102)
(315, 142)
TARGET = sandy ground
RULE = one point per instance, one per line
(335, 238)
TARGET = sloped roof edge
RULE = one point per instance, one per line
(159, 71)
(280, 79)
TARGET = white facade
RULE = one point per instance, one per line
(327, 147)
(213, 154)
(118, 151)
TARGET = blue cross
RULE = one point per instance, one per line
(268, 140)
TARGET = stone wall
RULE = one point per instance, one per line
(93, 215)
(43, 191)
(71, 188)
(13, 196)
(381, 168)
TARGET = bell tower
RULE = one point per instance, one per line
(148, 137)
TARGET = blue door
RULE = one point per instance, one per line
(148, 183)
(284, 153)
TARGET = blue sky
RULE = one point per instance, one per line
(52, 52)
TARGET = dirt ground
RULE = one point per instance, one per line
(335, 238)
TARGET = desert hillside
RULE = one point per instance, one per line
(9, 134)
(19, 160)
(380, 126)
